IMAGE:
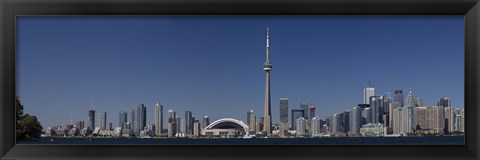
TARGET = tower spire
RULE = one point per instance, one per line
(268, 45)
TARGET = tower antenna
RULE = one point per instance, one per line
(370, 83)
(93, 106)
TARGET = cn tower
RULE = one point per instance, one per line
(267, 67)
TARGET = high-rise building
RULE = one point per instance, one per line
(376, 106)
(188, 123)
(315, 127)
(205, 122)
(158, 118)
(284, 110)
(410, 99)
(355, 120)
(449, 119)
(398, 98)
(445, 102)
(418, 102)
(267, 67)
(367, 93)
(102, 117)
(122, 119)
(196, 128)
(248, 116)
(311, 114)
(460, 120)
(171, 130)
(91, 119)
(346, 121)
(252, 125)
(178, 125)
(80, 124)
(140, 118)
(296, 113)
(407, 120)
(304, 106)
(397, 120)
(429, 118)
(300, 126)
(133, 121)
(110, 126)
(336, 123)
(366, 116)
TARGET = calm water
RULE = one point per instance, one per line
(442, 140)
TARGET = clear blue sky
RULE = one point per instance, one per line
(212, 65)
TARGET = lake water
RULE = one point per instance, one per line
(435, 140)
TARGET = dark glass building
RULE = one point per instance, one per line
(296, 113)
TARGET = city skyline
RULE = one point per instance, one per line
(324, 105)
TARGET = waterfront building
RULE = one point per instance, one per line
(110, 126)
(122, 119)
(449, 119)
(205, 122)
(445, 102)
(315, 127)
(301, 124)
(372, 130)
(178, 125)
(188, 123)
(296, 113)
(196, 128)
(460, 120)
(336, 123)
(407, 120)
(248, 116)
(258, 127)
(398, 98)
(355, 120)
(80, 124)
(366, 116)
(102, 117)
(91, 119)
(140, 118)
(158, 118)
(267, 67)
(311, 114)
(253, 124)
(429, 119)
(346, 121)
(367, 93)
(397, 119)
(226, 127)
(284, 110)
(128, 125)
(376, 107)
(133, 121)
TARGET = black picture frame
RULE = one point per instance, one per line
(9, 9)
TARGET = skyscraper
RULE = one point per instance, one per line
(102, 116)
(80, 124)
(355, 120)
(267, 67)
(140, 118)
(336, 123)
(366, 116)
(376, 105)
(284, 110)
(188, 123)
(367, 93)
(311, 113)
(429, 118)
(296, 113)
(410, 99)
(300, 126)
(398, 98)
(418, 102)
(248, 116)
(91, 119)
(158, 118)
(304, 106)
(346, 121)
(122, 119)
(315, 127)
(205, 122)
(252, 125)
(133, 120)
(172, 130)
(445, 102)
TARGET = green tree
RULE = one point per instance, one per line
(27, 126)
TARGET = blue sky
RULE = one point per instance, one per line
(212, 65)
